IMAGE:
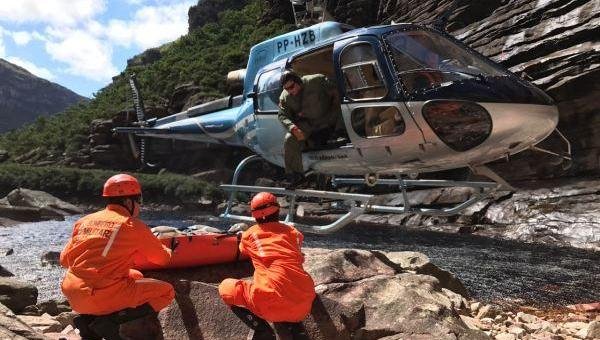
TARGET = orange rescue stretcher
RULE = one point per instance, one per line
(193, 250)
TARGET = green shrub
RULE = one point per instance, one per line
(81, 184)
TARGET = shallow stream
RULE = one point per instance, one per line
(496, 271)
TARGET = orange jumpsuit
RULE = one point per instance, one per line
(281, 290)
(99, 257)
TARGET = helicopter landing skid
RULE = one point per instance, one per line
(357, 204)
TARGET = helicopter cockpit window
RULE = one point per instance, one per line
(424, 59)
(268, 91)
(377, 121)
(362, 74)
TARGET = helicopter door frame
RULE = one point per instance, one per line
(377, 121)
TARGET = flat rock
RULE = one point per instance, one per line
(43, 323)
(11, 215)
(12, 327)
(38, 199)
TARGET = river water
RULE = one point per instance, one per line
(494, 271)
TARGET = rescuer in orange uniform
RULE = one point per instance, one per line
(281, 290)
(99, 256)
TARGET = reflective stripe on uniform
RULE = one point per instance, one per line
(258, 244)
(110, 241)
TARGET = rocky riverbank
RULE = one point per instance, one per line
(352, 283)
(563, 213)
(361, 295)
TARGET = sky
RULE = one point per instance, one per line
(82, 44)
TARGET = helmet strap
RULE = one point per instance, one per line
(130, 208)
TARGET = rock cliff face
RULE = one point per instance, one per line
(24, 97)
(207, 11)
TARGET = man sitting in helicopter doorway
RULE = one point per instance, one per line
(309, 108)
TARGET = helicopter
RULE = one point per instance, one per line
(413, 98)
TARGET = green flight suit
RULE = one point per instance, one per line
(314, 109)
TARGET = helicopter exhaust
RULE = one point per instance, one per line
(235, 79)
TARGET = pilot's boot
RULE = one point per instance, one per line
(82, 323)
(260, 329)
(294, 180)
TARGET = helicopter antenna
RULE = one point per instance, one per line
(441, 21)
(309, 12)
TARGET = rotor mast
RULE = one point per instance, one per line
(310, 12)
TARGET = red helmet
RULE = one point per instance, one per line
(264, 204)
(121, 185)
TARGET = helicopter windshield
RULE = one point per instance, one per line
(424, 59)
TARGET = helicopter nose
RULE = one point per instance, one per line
(492, 128)
(519, 126)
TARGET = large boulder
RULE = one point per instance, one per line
(419, 263)
(38, 199)
(361, 294)
(17, 295)
(198, 312)
(181, 94)
(364, 295)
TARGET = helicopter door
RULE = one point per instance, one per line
(381, 128)
(270, 133)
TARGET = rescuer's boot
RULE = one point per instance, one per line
(290, 331)
(130, 314)
(82, 323)
(260, 329)
(107, 326)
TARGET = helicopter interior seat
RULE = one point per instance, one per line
(380, 121)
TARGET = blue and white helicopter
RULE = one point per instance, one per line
(413, 99)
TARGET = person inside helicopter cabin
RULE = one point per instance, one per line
(309, 108)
